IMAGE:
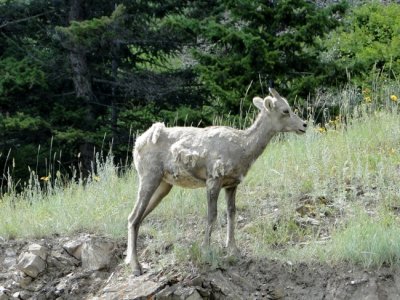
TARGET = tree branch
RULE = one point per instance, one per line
(25, 19)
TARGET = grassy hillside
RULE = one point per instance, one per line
(331, 195)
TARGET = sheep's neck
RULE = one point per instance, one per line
(258, 135)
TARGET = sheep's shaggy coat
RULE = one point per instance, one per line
(214, 157)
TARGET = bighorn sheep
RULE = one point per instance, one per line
(214, 157)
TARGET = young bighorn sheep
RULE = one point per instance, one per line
(214, 157)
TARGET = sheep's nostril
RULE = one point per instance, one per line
(305, 125)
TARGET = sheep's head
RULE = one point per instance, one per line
(278, 110)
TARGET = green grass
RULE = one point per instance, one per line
(356, 168)
(100, 206)
(331, 196)
(368, 240)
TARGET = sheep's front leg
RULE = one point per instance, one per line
(147, 187)
(230, 195)
(213, 189)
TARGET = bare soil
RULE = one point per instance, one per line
(246, 278)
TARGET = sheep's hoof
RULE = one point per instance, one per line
(137, 270)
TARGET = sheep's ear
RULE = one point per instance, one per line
(258, 102)
(274, 93)
(269, 102)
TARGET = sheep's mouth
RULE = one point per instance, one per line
(300, 131)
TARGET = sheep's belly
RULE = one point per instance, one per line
(184, 180)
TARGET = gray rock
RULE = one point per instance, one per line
(3, 296)
(22, 295)
(97, 254)
(167, 293)
(133, 288)
(178, 293)
(38, 250)
(21, 280)
(31, 264)
(9, 262)
(74, 248)
(10, 252)
(4, 293)
(16, 295)
(61, 260)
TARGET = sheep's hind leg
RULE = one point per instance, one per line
(147, 187)
(230, 196)
(162, 191)
(213, 189)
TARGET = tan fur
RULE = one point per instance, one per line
(214, 157)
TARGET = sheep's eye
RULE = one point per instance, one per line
(286, 112)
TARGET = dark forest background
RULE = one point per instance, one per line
(80, 77)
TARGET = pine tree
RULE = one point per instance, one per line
(79, 70)
(263, 43)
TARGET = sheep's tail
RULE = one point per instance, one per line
(149, 136)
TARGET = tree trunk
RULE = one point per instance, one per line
(83, 87)
(77, 58)
(114, 108)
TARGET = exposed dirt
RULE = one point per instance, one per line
(247, 278)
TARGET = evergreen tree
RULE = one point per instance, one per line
(272, 42)
(76, 70)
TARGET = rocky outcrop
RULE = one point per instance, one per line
(50, 269)
(97, 254)
(31, 264)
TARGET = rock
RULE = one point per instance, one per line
(9, 262)
(4, 293)
(60, 260)
(196, 281)
(22, 295)
(97, 254)
(3, 296)
(62, 286)
(22, 279)
(31, 264)
(134, 288)
(38, 250)
(177, 292)
(167, 293)
(74, 248)
(194, 295)
(10, 252)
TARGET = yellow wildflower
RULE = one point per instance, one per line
(366, 91)
(321, 129)
(96, 178)
(393, 98)
(368, 99)
(45, 178)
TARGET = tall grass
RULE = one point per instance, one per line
(99, 205)
(331, 195)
